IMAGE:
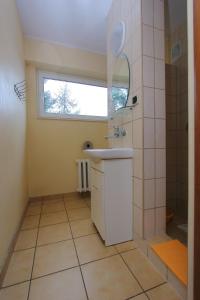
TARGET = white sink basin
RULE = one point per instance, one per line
(112, 153)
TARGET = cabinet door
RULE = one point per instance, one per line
(93, 203)
(97, 202)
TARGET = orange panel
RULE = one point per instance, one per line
(174, 256)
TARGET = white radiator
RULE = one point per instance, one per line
(83, 175)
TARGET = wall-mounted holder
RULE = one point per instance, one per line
(87, 145)
(20, 90)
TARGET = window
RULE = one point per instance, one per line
(72, 98)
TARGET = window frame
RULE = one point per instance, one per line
(74, 79)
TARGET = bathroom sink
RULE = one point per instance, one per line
(111, 153)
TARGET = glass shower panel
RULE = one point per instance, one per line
(176, 117)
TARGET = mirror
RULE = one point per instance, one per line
(120, 82)
(118, 38)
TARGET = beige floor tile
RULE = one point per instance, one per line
(78, 213)
(90, 248)
(163, 292)
(144, 271)
(108, 279)
(72, 197)
(35, 203)
(140, 297)
(63, 285)
(53, 218)
(123, 247)
(19, 268)
(52, 198)
(53, 201)
(54, 233)
(18, 292)
(33, 210)
(52, 207)
(30, 222)
(82, 227)
(75, 203)
(26, 239)
(54, 257)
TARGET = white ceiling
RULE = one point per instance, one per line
(74, 23)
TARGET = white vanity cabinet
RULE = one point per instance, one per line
(111, 199)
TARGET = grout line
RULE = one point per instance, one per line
(52, 212)
(14, 284)
(24, 249)
(133, 297)
(77, 257)
(79, 264)
(155, 287)
(33, 215)
(12, 247)
(132, 272)
(99, 259)
(52, 243)
(35, 251)
(94, 233)
(81, 236)
(78, 219)
(129, 250)
(36, 245)
(67, 221)
(55, 272)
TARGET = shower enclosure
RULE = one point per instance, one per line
(176, 66)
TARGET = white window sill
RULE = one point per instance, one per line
(73, 118)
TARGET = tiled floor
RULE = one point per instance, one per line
(59, 255)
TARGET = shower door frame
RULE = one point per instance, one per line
(197, 151)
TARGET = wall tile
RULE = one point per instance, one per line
(148, 71)
(138, 133)
(138, 192)
(137, 74)
(138, 221)
(125, 8)
(144, 29)
(159, 74)
(136, 12)
(159, 44)
(149, 137)
(141, 243)
(149, 223)
(160, 133)
(159, 14)
(149, 104)
(138, 163)
(160, 192)
(127, 115)
(160, 163)
(160, 220)
(148, 41)
(149, 164)
(138, 108)
(149, 194)
(160, 104)
(136, 37)
(147, 12)
(128, 138)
